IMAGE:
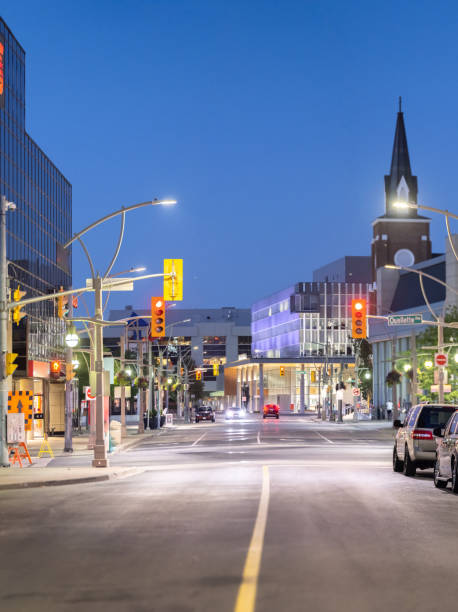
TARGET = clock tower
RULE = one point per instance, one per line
(401, 235)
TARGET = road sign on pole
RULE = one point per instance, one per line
(356, 392)
(407, 319)
(441, 359)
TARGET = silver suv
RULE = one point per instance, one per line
(414, 444)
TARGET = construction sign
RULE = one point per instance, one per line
(22, 402)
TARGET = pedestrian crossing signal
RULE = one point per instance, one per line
(10, 365)
(17, 297)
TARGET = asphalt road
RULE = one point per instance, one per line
(288, 515)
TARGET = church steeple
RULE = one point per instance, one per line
(400, 184)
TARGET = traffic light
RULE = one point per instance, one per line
(312, 376)
(62, 305)
(55, 369)
(173, 280)
(10, 365)
(198, 375)
(17, 296)
(282, 370)
(358, 318)
(157, 317)
(215, 369)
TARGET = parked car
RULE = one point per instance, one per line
(204, 413)
(446, 466)
(414, 443)
(236, 412)
(271, 410)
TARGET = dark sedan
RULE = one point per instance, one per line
(446, 467)
(205, 413)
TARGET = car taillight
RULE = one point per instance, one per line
(422, 434)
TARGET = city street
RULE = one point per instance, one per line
(342, 531)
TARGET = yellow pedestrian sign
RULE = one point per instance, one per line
(173, 280)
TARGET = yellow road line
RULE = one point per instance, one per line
(246, 598)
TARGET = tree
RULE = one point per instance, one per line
(425, 359)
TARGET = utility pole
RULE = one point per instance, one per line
(186, 392)
(141, 425)
(4, 207)
(149, 408)
(122, 354)
(394, 388)
(68, 444)
(440, 343)
(414, 382)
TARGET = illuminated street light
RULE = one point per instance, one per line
(75, 364)
(367, 375)
(128, 372)
(428, 364)
(407, 367)
(71, 339)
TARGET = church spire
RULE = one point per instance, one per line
(400, 184)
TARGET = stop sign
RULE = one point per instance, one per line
(440, 359)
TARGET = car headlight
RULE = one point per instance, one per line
(229, 413)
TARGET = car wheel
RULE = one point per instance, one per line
(397, 463)
(263, 416)
(197, 420)
(213, 419)
(438, 482)
(278, 416)
(455, 478)
(409, 468)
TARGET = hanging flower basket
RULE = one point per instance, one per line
(122, 379)
(393, 378)
(142, 382)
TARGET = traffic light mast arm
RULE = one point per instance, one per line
(105, 285)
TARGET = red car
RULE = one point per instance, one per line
(271, 410)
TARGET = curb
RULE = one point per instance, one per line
(72, 481)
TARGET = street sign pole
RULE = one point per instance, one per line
(4, 206)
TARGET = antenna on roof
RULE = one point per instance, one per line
(400, 104)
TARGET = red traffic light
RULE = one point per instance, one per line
(157, 317)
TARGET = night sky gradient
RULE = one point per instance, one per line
(272, 123)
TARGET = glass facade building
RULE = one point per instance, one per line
(309, 319)
(42, 221)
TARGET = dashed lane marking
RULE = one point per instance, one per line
(259, 437)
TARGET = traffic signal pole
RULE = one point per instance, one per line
(69, 387)
(4, 206)
(100, 451)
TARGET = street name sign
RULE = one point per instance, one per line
(407, 319)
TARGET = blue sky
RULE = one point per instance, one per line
(271, 123)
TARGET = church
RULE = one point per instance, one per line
(401, 237)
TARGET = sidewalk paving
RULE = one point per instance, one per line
(39, 475)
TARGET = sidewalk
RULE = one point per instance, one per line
(39, 475)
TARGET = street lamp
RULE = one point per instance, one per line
(439, 321)
(71, 339)
(407, 367)
(98, 284)
(428, 364)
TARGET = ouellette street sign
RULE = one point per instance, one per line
(406, 319)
